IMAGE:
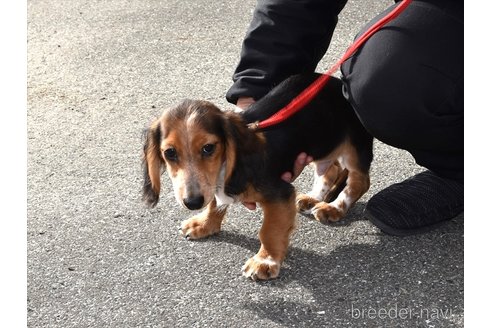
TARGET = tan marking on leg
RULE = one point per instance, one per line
(347, 170)
(341, 178)
(205, 223)
(278, 224)
(357, 184)
(323, 187)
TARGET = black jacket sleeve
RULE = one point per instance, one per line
(285, 37)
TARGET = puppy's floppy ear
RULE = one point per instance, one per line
(240, 140)
(152, 162)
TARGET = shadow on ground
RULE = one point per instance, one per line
(414, 281)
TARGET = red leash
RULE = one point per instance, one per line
(311, 91)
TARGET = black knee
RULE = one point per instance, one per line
(406, 86)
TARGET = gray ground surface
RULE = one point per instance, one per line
(99, 72)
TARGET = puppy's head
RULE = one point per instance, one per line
(196, 142)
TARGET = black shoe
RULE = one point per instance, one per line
(416, 205)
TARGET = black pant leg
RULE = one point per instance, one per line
(406, 84)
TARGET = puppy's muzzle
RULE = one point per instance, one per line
(194, 202)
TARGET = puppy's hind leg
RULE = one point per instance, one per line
(205, 223)
(328, 178)
(357, 184)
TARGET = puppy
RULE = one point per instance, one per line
(214, 159)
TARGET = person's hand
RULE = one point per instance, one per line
(302, 160)
(244, 102)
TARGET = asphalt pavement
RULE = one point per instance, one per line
(98, 73)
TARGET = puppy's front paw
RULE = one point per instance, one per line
(260, 268)
(305, 203)
(198, 227)
(326, 213)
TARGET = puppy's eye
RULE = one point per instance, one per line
(171, 154)
(208, 150)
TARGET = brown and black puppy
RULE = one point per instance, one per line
(214, 160)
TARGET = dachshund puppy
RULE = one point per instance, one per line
(214, 160)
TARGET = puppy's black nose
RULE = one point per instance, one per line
(194, 203)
